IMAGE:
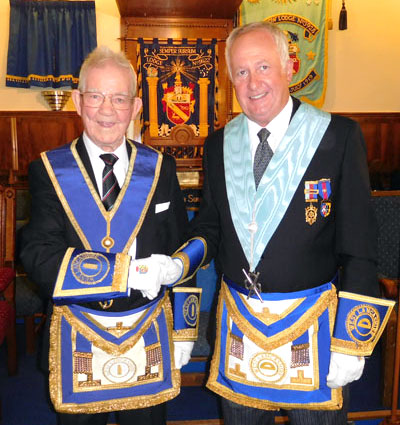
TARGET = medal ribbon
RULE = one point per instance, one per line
(311, 191)
(324, 188)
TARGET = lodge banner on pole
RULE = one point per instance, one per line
(305, 24)
(177, 82)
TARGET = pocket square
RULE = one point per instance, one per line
(162, 207)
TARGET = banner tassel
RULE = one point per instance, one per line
(343, 17)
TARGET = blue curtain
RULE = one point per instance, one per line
(49, 41)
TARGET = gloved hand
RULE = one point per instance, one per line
(182, 352)
(148, 274)
(344, 369)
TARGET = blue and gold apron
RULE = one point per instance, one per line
(278, 356)
(106, 361)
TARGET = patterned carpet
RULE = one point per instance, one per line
(24, 396)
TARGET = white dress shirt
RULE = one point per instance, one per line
(120, 167)
(277, 127)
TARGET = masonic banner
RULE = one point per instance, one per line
(177, 80)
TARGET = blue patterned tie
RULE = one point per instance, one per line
(262, 156)
(110, 183)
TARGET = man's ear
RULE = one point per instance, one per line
(289, 70)
(77, 99)
(137, 105)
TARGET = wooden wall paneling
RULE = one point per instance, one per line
(7, 253)
(180, 8)
(33, 132)
(7, 226)
(6, 147)
(37, 133)
(382, 136)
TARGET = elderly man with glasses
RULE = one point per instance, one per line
(106, 212)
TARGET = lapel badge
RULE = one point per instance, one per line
(311, 191)
(325, 208)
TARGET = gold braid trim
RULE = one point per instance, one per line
(55, 356)
(352, 348)
(186, 264)
(116, 405)
(121, 269)
(109, 347)
(217, 350)
(328, 299)
(334, 404)
(43, 78)
(185, 334)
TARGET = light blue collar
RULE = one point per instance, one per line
(268, 204)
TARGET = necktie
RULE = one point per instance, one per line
(110, 183)
(262, 156)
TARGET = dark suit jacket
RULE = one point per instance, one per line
(49, 232)
(299, 255)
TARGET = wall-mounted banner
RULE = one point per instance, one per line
(305, 24)
(177, 82)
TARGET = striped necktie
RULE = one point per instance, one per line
(110, 183)
(262, 156)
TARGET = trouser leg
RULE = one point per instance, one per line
(318, 417)
(82, 419)
(236, 414)
(155, 415)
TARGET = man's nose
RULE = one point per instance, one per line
(253, 80)
(107, 105)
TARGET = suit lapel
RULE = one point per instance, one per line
(296, 104)
(84, 156)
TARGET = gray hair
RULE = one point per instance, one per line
(99, 57)
(278, 35)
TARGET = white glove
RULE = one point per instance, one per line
(182, 352)
(344, 369)
(148, 274)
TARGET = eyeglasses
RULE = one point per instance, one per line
(95, 100)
